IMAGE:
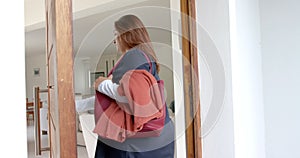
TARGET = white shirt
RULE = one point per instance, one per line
(109, 88)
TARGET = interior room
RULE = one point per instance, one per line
(254, 41)
(95, 55)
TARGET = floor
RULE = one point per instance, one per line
(81, 150)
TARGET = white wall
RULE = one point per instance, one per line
(238, 130)
(215, 75)
(12, 82)
(280, 26)
(36, 61)
(82, 66)
(247, 79)
(179, 120)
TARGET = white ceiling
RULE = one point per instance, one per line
(93, 33)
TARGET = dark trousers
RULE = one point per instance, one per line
(106, 151)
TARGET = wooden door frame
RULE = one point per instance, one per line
(59, 48)
(191, 79)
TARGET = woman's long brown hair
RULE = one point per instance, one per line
(132, 33)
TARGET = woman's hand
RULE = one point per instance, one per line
(99, 80)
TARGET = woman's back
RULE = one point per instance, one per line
(162, 146)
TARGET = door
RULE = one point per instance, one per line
(59, 48)
(191, 76)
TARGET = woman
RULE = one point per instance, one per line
(132, 39)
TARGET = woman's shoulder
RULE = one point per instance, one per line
(132, 59)
(134, 52)
(135, 55)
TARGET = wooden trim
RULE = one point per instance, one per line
(60, 60)
(191, 79)
(65, 89)
(37, 120)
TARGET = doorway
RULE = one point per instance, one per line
(94, 56)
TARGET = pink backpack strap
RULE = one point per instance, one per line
(150, 63)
